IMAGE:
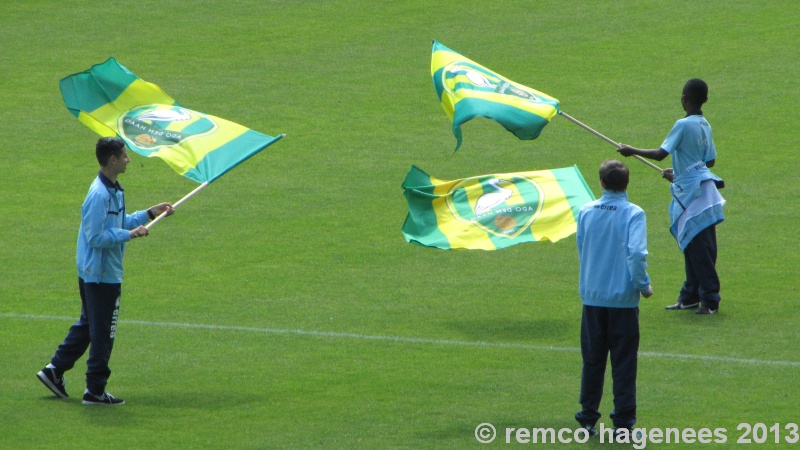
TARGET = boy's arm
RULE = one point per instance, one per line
(627, 150)
(93, 223)
(135, 220)
(637, 254)
(658, 155)
(140, 218)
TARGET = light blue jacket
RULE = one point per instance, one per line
(702, 211)
(612, 247)
(103, 232)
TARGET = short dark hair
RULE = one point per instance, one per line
(614, 175)
(696, 91)
(107, 147)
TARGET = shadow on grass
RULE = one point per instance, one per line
(691, 320)
(204, 400)
(54, 400)
(518, 331)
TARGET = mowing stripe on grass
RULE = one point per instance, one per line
(411, 340)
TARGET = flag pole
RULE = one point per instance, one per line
(195, 191)
(178, 203)
(615, 144)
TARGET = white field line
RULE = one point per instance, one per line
(411, 340)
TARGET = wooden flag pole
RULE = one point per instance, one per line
(204, 184)
(615, 144)
(178, 203)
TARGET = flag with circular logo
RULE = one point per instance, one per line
(111, 100)
(468, 90)
(491, 212)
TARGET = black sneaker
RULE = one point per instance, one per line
(705, 310)
(591, 429)
(681, 306)
(57, 384)
(626, 435)
(105, 399)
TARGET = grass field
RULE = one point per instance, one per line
(282, 308)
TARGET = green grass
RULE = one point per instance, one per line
(305, 236)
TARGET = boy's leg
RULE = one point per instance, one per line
(594, 350)
(102, 302)
(689, 294)
(703, 254)
(624, 347)
(77, 340)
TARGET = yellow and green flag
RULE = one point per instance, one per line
(491, 212)
(111, 100)
(468, 90)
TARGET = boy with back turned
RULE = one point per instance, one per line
(612, 248)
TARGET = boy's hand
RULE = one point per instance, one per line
(668, 174)
(625, 150)
(159, 209)
(648, 293)
(139, 231)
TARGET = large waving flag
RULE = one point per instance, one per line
(467, 90)
(111, 100)
(494, 211)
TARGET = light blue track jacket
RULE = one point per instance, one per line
(612, 248)
(696, 205)
(104, 232)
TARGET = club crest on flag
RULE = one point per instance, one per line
(461, 75)
(111, 100)
(150, 128)
(467, 90)
(494, 211)
(503, 206)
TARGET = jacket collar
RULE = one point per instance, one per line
(615, 195)
(107, 183)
